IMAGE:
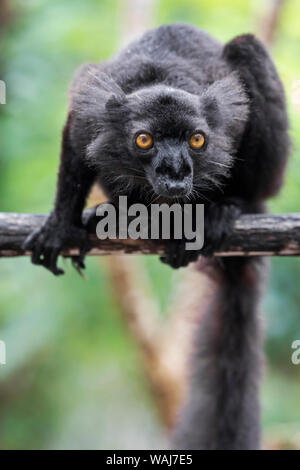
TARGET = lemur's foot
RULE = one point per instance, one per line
(177, 256)
(47, 242)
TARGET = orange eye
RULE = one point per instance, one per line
(144, 141)
(197, 141)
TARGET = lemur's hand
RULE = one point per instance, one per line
(177, 256)
(218, 222)
(47, 242)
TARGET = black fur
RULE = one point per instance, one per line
(174, 81)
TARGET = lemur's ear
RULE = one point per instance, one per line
(224, 105)
(93, 92)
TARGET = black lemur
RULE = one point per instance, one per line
(179, 115)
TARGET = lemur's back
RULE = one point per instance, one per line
(177, 39)
(178, 55)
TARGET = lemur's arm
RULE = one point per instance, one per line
(89, 94)
(64, 223)
(74, 181)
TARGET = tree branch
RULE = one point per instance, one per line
(252, 235)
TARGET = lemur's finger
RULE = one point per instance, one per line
(52, 262)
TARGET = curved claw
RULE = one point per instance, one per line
(78, 265)
(78, 260)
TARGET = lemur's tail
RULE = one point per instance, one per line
(222, 411)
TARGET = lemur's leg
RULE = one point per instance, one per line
(259, 168)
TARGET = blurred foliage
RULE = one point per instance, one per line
(71, 367)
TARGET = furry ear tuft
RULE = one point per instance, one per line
(225, 105)
(115, 102)
(212, 111)
(93, 92)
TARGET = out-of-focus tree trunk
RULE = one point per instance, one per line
(295, 95)
(161, 363)
(5, 14)
(136, 16)
(270, 21)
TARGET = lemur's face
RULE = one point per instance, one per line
(175, 143)
(180, 140)
(167, 136)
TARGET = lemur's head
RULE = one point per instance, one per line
(174, 142)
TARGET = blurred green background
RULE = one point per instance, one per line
(73, 378)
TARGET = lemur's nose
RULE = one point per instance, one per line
(175, 188)
(175, 169)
